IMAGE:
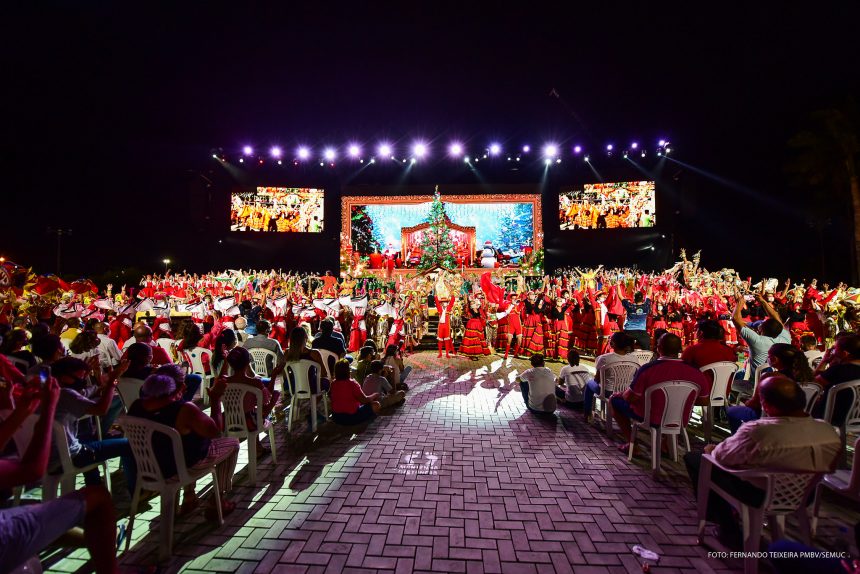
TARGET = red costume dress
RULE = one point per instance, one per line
(474, 341)
(561, 333)
(533, 328)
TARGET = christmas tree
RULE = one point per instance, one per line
(363, 240)
(515, 231)
(436, 245)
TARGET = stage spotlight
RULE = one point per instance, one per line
(526, 149)
(466, 159)
(214, 156)
(354, 150)
(643, 153)
(550, 150)
(577, 149)
(455, 149)
(587, 158)
(385, 149)
(304, 153)
(558, 160)
(241, 160)
(373, 160)
(495, 149)
(547, 161)
(624, 154)
(659, 152)
(661, 143)
(329, 154)
(247, 150)
(634, 145)
(652, 248)
(609, 147)
(419, 149)
(667, 150)
(322, 164)
(276, 151)
(280, 162)
(412, 160)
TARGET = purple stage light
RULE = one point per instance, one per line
(526, 149)
(634, 145)
(248, 150)
(550, 150)
(577, 149)
(661, 143)
(419, 149)
(329, 154)
(276, 151)
(304, 153)
(455, 149)
(609, 147)
(385, 149)
(495, 149)
(354, 150)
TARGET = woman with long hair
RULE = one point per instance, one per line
(474, 340)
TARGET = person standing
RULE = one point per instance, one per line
(636, 320)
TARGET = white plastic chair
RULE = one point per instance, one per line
(139, 433)
(642, 357)
(262, 359)
(299, 372)
(66, 478)
(614, 377)
(236, 425)
(195, 359)
(785, 492)
(678, 397)
(851, 424)
(129, 390)
(846, 483)
(22, 438)
(168, 345)
(329, 359)
(723, 374)
(812, 392)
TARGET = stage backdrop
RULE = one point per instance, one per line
(376, 226)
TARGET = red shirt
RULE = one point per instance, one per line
(707, 351)
(10, 372)
(345, 395)
(661, 371)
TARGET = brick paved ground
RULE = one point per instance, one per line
(459, 479)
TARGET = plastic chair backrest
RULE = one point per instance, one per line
(168, 345)
(812, 392)
(262, 359)
(679, 395)
(642, 357)
(234, 408)
(61, 442)
(852, 419)
(299, 374)
(139, 432)
(617, 376)
(759, 371)
(195, 357)
(129, 390)
(19, 364)
(24, 435)
(329, 359)
(723, 374)
(854, 481)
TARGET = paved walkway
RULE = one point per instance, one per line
(459, 479)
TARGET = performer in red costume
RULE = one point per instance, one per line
(443, 335)
(510, 325)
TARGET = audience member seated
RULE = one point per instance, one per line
(109, 353)
(365, 357)
(349, 405)
(785, 360)
(202, 443)
(398, 372)
(376, 384)
(710, 346)
(570, 393)
(809, 345)
(73, 328)
(14, 343)
(143, 334)
(328, 340)
(298, 350)
(85, 345)
(224, 343)
(621, 345)
(240, 324)
(840, 364)
(262, 341)
(75, 402)
(538, 386)
(47, 348)
(785, 438)
(769, 332)
(630, 404)
(27, 530)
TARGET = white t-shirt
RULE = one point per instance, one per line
(541, 382)
(814, 357)
(574, 385)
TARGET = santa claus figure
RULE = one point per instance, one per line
(390, 255)
(488, 256)
(444, 306)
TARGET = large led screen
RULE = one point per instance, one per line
(485, 230)
(278, 210)
(624, 204)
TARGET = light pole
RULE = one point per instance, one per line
(166, 265)
(59, 233)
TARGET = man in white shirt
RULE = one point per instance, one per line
(109, 353)
(570, 384)
(810, 350)
(786, 438)
(538, 387)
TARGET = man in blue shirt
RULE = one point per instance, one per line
(636, 320)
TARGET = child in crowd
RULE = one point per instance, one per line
(349, 405)
(569, 385)
(376, 383)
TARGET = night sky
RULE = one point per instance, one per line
(111, 115)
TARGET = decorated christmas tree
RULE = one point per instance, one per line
(363, 240)
(515, 231)
(436, 245)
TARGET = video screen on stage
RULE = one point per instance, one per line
(278, 210)
(625, 204)
(485, 231)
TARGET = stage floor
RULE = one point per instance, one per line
(461, 478)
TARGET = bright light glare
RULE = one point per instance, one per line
(527, 149)
(247, 150)
(419, 149)
(304, 153)
(609, 147)
(354, 150)
(634, 145)
(455, 149)
(276, 151)
(577, 149)
(550, 150)
(495, 149)
(385, 149)
(329, 154)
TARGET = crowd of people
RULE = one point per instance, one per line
(63, 352)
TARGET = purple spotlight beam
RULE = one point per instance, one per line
(276, 151)
(247, 150)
